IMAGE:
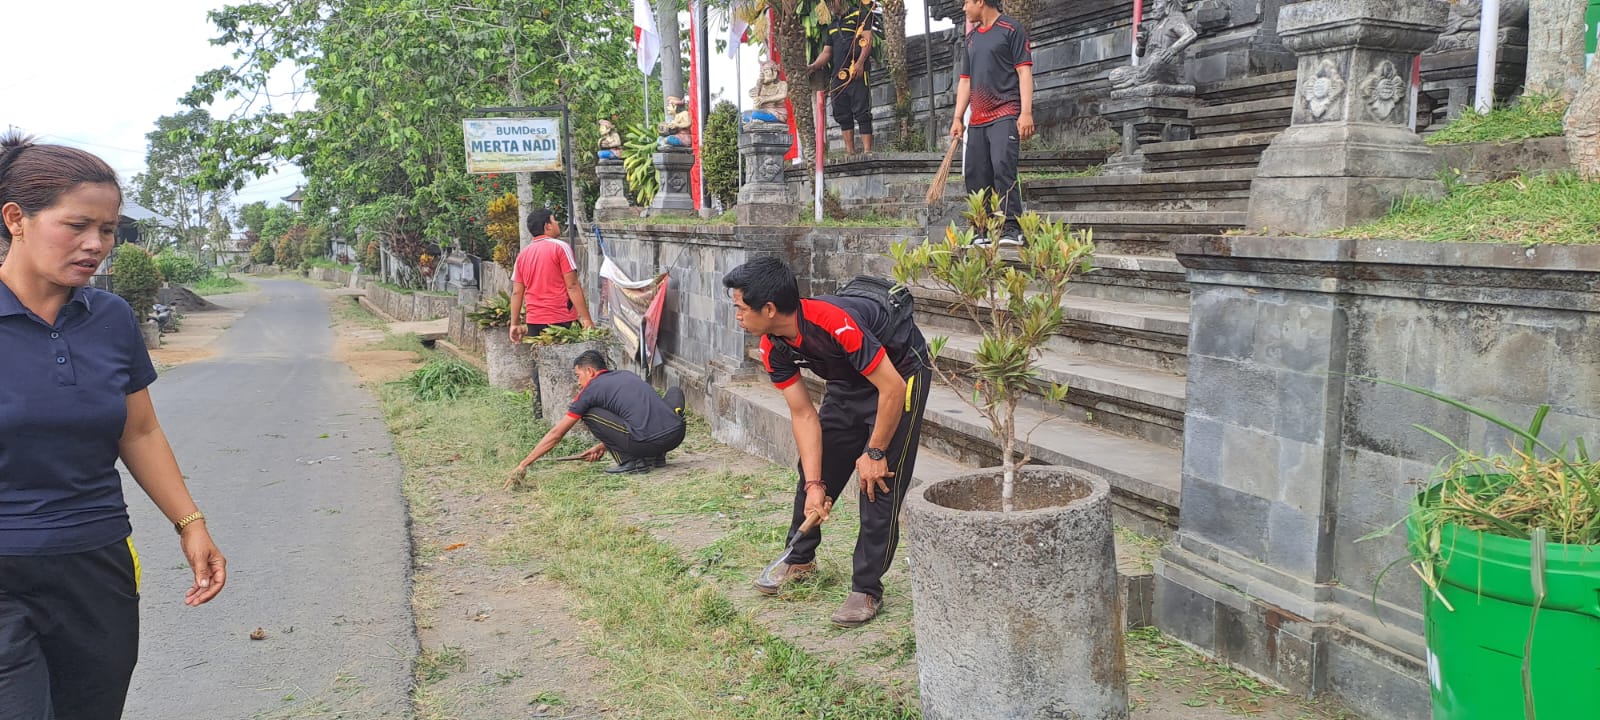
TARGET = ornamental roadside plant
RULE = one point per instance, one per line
(1015, 301)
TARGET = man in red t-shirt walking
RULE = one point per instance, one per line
(545, 290)
(997, 83)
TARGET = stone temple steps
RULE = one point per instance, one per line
(1193, 190)
(1134, 232)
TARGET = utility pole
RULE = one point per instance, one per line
(524, 180)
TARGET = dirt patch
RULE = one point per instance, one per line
(185, 300)
(379, 366)
(199, 331)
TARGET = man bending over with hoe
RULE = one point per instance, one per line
(864, 343)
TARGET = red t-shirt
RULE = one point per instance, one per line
(541, 268)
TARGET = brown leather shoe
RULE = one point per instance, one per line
(857, 610)
(785, 574)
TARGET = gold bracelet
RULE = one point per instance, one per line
(186, 520)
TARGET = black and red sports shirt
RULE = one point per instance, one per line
(842, 340)
(993, 55)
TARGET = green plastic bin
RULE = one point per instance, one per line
(1593, 16)
(1475, 652)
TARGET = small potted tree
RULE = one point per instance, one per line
(555, 350)
(1013, 570)
(1508, 549)
(510, 364)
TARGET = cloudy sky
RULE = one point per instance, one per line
(96, 74)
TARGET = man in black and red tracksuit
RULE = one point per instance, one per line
(848, 56)
(998, 86)
(877, 370)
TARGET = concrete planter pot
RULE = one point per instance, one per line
(1017, 614)
(557, 385)
(152, 334)
(510, 364)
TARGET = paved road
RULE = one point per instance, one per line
(296, 473)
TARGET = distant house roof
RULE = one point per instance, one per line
(294, 197)
(136, 212)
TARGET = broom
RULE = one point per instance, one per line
(936, 190)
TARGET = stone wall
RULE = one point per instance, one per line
(1076, 44)
(333, 275)
(409, 306)
(1290, 458)
(702, 343)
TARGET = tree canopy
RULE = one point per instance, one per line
(392, 80)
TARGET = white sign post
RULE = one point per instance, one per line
(513, 145)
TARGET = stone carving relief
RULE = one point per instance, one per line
(1324, 90)
(1383, 90)
(611, 188)
(676, 182)
(771, 169)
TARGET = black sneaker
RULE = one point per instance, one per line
(659, 461)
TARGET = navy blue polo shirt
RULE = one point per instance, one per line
(63, 405)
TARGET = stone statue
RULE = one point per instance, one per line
(675, 131)
(1466, 19)
(769, 94)
(610, 142)
(1161, 49)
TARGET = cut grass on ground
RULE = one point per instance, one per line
(1532, 116)
(1557, 209)
(675, 644)
(220, 286)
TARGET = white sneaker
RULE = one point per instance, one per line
(980, 242)
(1009, 241)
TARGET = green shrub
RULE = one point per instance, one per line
(721, 153)
(315, 245)
(444, 380)
(560, 335)
(180, 269)
(371, 257)
(493, 313)
(134, 276)
(263, 253)
(287, 248)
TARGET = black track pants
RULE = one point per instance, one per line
(847, 422)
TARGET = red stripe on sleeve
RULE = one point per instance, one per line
(574, 416)
(878, 359)
(785, 384)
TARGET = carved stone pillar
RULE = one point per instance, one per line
(613, 203)
(764, 195)
(673, 164)
(1349, 154)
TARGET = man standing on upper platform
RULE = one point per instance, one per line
(849, 49)
(998, 86)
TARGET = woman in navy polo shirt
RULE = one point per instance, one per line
(73, 399)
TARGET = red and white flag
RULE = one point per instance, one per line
(738, 34)
(645, 38)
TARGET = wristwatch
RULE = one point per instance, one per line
(874, 453)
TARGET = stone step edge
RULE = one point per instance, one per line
(1154, 319)
(1141, 386)
(1247, 107)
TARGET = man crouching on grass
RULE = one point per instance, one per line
(871, 416)
(635, 424)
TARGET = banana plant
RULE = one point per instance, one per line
(638, 151)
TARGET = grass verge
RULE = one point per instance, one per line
(1558, 208)
(1532, 116)
(220, 286)
(675, 643)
